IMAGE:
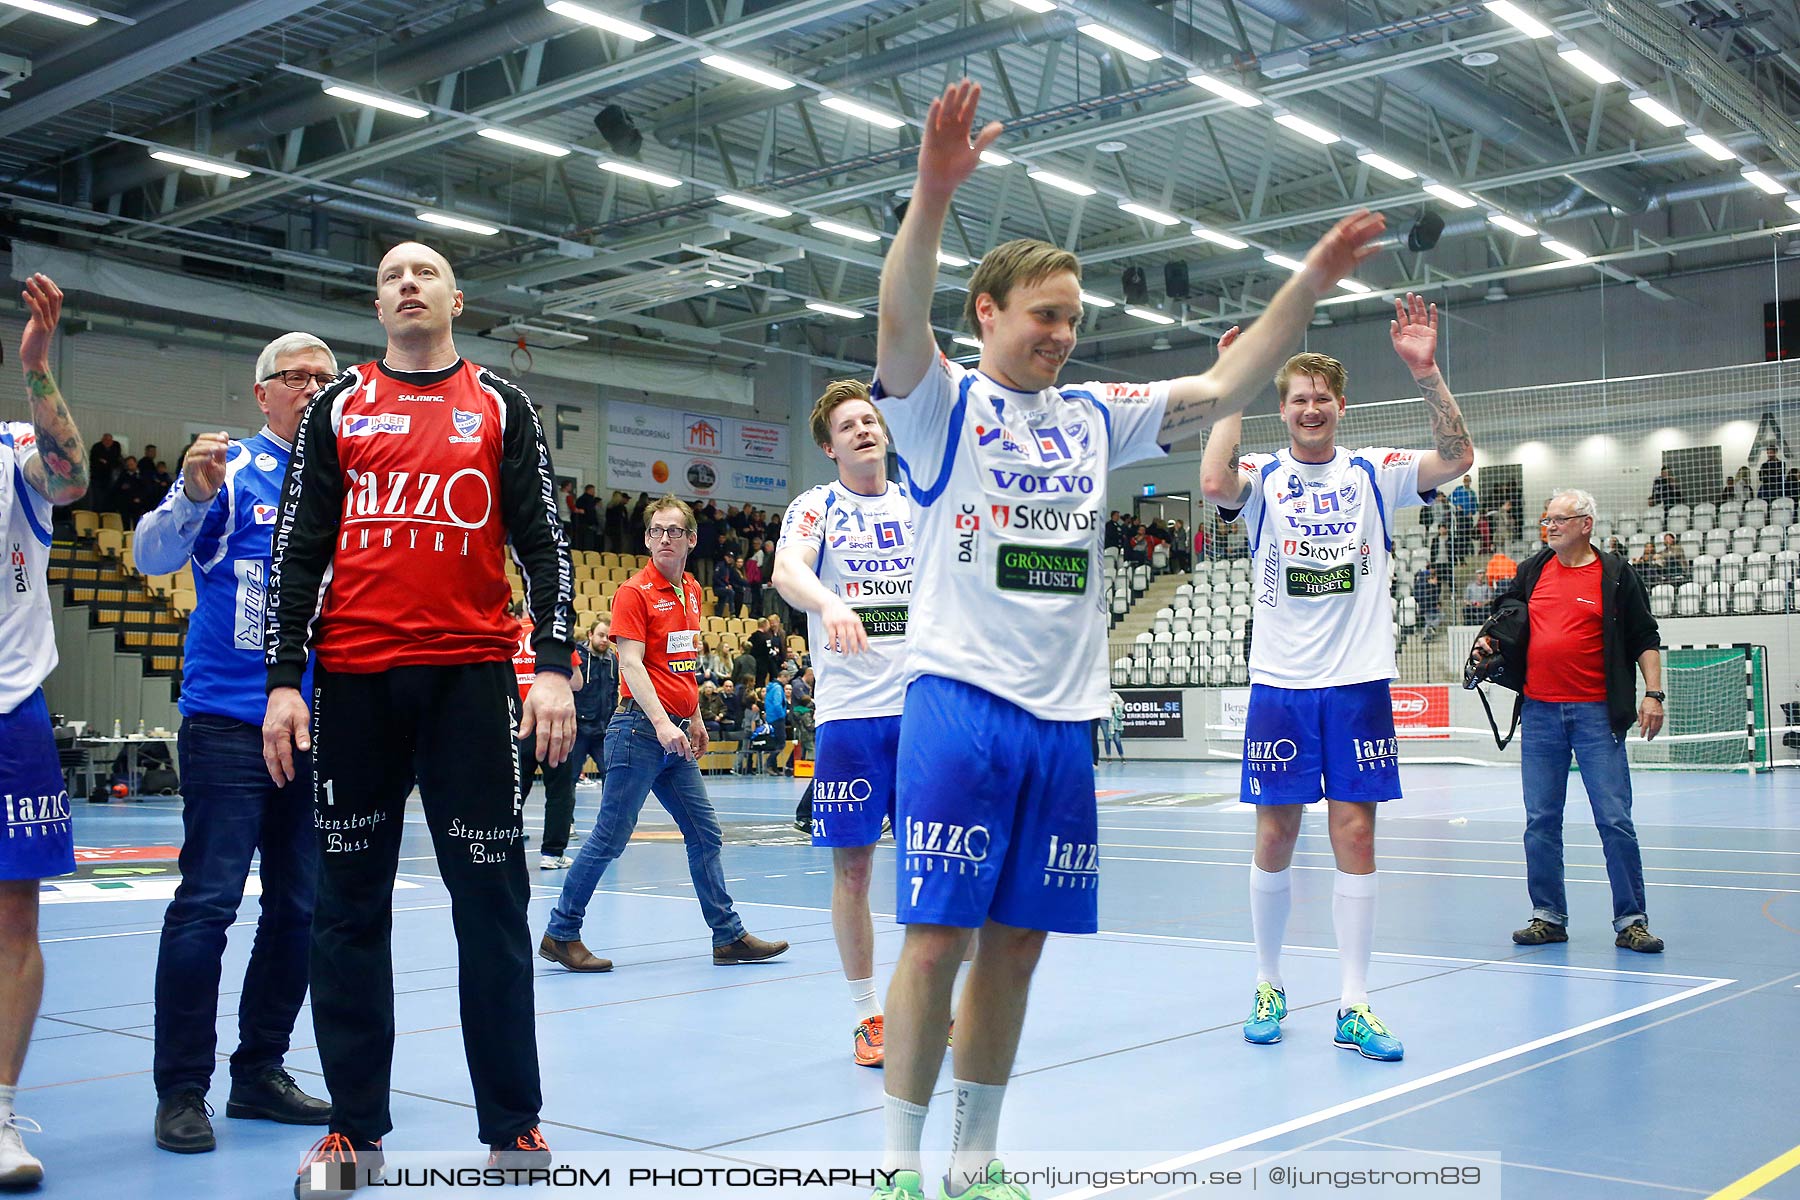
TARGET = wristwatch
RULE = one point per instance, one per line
(1659, 697)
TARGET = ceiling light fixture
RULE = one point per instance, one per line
(599, 20)
(1563, 248)
(1586, 63)
(1149, 314)
(200, 165)
(1118, 41)
(523, 142)
(72, 16)
(834, 310)
(632, 171)
(754, 205)
(1220, 239)
(1764, 181)
(744, 70)
(1710, 144)
(1149, 214)
(1283, 261)
(1511, 226)
(1305, 128)
(462, 223)
(1072, 186)
(1519, 19)
(1449, 195)
(1657, 111)
(1098, 301)
(853, 232)
(1220, 88)
(863, 112)
(1386, 166)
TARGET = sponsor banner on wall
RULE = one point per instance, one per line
(1234, 708)
(1152, 714)
(696, 455)
(1421, 707)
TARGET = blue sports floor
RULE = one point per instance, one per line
(1588, 1071)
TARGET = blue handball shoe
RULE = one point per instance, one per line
(1264, 1026)
(1360, 1030)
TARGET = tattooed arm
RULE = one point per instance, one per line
(1414, 334)
(1198, 400)
(1222, 479)
(59, 470)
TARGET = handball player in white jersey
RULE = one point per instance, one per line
(1006, 647)
(1320, 520)
(846, 558)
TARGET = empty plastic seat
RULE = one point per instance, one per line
(1718, 541)
(1756, 513)
(1731, 569)
(1706, 569)
(1662, 600)
(1121, 671)
(1743, 541)
(1705, 517)
(1758, 567)
(1680, 519)
(1651, 524)
(1745, 597)
(1781, 511)
(1690, 543)
(1775, 595)
(1786, 564)
(1626, 526)
(1687, 600)
(1715, 605)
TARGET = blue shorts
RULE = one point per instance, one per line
(39, 841)
(853, 780)
(1307, 744)
(996, 814)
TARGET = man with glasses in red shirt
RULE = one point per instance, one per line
(654, 743)
(1590, 625)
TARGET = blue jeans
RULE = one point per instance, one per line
(635, 767)
(230, 810)
(1550, 733)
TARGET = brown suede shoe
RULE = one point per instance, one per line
(748, 948)
(572, 955)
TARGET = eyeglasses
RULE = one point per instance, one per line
(667, 533)
(297, 379)
(1557, 522)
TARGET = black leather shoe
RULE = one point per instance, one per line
(184, 1122)
(274, 1096)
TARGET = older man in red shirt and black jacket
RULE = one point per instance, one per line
(1589, 626)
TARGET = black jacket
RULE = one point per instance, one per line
(1627, 628)
(598, 698)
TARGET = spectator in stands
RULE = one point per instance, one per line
(1590, 622)
(231, 808)
(743, 669)
(131, 493)
(715, 668)
(634, 523)
(1112, 728)
(1113, 535)
(1648, 568)
(759, 645)
(755, 735)
(1509, 522)
(146, 462)
(1738, 487)
(1665, 492)
(1770, 476)
(1429, 596)
(1463, 498)
(800, 690)
(1477, 598)
(1181, 544)
(1674, 560)
(1790, 487)
(770, 597)
(1500, 569)
(595, 702)
(587, 520)
(754, 578)
(1485, 532)
(775, 712)
(706, 546)
(105, 461)
(730, 586)
(712, 709)
(615, 523)
(44, 466)
(731, 707)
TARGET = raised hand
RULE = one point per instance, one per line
(1228, 337)
(203, 466)
(43, 299)
(1344, 248)
(947, 153)
(1414, 333)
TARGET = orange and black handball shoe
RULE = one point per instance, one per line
(867, 1048)
(336, 1166)
(526, 1152)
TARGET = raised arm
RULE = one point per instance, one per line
(1414, 334)
(1222, 480)
(59, 470)
(905, 347)
(1197, 400)
(796, 578)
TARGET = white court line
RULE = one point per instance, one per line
(1448, 837)
(95, 937)
(1705, 887)
(1438, 858)
(1381, 1097)
(1331, 951)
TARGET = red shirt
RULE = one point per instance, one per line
(646, 609)
(1566, 662)
(524, 658)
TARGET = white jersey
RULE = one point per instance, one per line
(863, 552)
(27, 641)
(1009, 495)
(1321, 554)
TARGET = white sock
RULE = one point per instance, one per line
(1353, 916)
(1271, 896)
(905, 1130)
(862, 994)
(974, 1132)
(9, 1093)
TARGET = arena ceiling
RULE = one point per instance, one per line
(1194, 113)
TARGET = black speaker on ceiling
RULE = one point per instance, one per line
(1175, 280)
(1427, 228)
(620, 132)
(1136, 286)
